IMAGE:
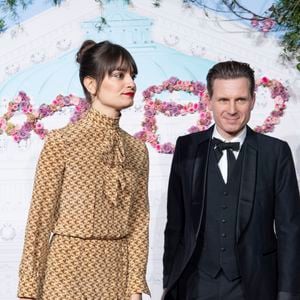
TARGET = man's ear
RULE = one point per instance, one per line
(253, 101)
(90, 84)
(209, 102)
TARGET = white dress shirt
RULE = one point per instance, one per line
(223, 161)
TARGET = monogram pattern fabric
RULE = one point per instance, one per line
(87, 231)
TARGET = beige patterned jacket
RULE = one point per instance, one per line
(91, 182)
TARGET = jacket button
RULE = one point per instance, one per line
(223, 235)
(223, 249)
(225, 193)
(223, 221)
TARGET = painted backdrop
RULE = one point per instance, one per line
(174, 47)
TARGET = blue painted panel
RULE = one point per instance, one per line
(156, 63)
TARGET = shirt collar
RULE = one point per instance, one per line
(238, 138)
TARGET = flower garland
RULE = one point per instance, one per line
(172, 109)
(33, 116)
(280, 95)
(152, 107)
(264, 25)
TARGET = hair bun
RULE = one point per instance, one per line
(86, 45)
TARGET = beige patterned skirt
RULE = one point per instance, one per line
(85, 269)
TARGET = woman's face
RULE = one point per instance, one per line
(117, 90)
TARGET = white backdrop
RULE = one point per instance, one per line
(169, 41)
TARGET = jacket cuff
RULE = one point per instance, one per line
(138, 288)
(28, 287)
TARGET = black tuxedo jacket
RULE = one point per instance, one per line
(268, 255)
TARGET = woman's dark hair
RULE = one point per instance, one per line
(99, 59)
(230, 70)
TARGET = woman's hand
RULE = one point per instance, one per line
(136, 297)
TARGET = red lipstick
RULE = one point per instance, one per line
(129, 94)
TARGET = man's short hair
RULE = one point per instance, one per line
(230, 70)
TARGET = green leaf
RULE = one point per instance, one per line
(2, 25)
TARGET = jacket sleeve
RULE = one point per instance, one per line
(44, 202)
(175, 218)
(139, 227)
(287, 224)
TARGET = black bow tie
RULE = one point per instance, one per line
(219, 146)
(224, 146)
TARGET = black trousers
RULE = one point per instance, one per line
(201, 286)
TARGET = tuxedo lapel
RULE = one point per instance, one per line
(248, 183)
(199, 175)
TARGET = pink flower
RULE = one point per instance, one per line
(16, 138)
(78, 108)
(278, 100)
(268, 24)
(167, 148)
(264, 80)
(15, 106)
(151, 104)
(18, 99)
(283, 106)
(75, 100)
(183, 111)
(258, 129)
(35, 113)
(39, 126)
(254, 22)
(202, 115)
(265, 29)
(151, 137)
(193, 129)
(42, 134)
(275, 113)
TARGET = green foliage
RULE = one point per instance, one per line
(101, 24)
(57, 2)
(2, 25)
(156, 3)
(286, 14)
(9, 9)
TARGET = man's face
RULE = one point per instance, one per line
(231, 104)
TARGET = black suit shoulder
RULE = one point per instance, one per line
(269, 140)
(271, 145)
(195, 137)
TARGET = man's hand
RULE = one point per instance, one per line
(136, 297)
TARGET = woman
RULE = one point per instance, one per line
(90, 195)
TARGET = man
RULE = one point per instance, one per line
(233, 213)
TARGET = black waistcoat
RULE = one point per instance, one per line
(218, 250)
